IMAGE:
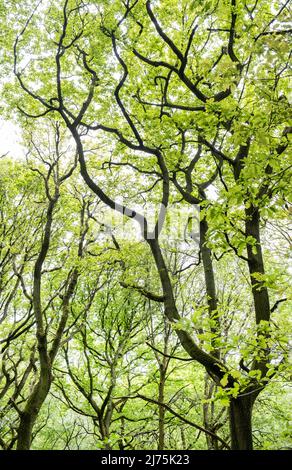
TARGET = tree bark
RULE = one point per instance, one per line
(29, 415)
(256, 265)
(208, 268)
(105, 434)
(210, 285)
(259, 289)
(161, 428)
(240, 414)
(208, 413)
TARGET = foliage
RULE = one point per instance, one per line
(122, 318)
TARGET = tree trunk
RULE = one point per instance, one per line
(29, 415)
(161, 431)
(208, 413)
(256, 265)
(170, 309)
(240, 413)
(210, 286)
(104, 432)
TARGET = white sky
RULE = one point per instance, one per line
(10, 138)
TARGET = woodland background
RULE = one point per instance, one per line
(120, 328)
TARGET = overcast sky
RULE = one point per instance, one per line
(10, 140)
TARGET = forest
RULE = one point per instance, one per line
(145, 230)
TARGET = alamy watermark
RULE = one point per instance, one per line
(173, 224)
